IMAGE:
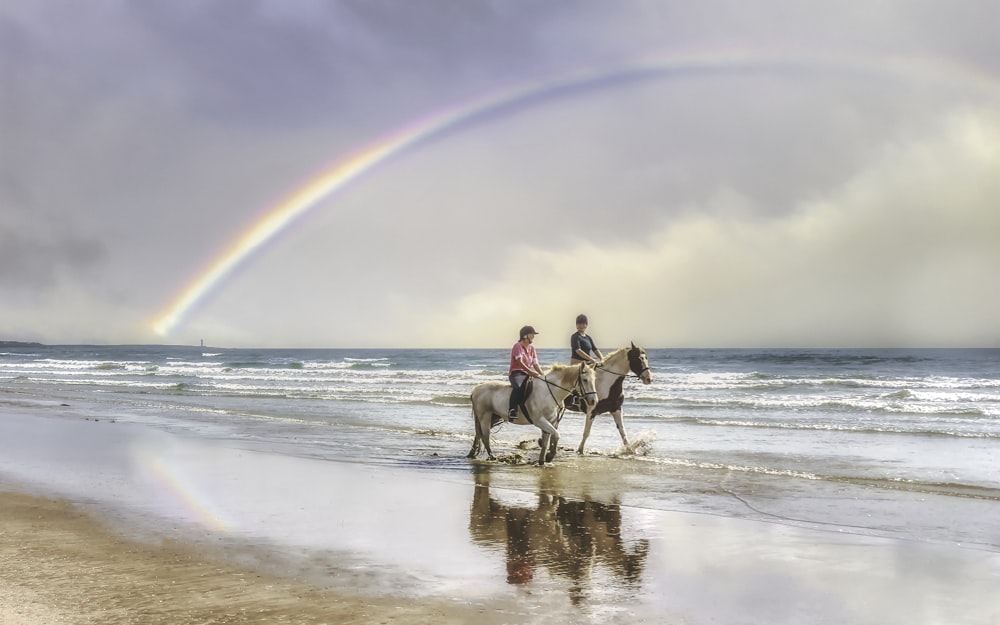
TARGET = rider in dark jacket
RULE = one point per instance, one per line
(582, 349)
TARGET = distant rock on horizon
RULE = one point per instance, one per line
(18, 344)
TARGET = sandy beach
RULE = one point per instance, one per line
(60, 566)
(110, 522)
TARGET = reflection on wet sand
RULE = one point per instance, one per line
(569, 538)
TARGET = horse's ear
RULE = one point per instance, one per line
(633, 344)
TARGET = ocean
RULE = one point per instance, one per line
(898, 443)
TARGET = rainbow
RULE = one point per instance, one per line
(182, 489)
(369, 156)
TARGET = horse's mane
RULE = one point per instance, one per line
(561, 366)
(558, 366)
(618, 351)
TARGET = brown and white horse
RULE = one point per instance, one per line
(544, 405)
(611, 375)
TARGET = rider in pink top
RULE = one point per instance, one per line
(523, 358)
(523, 363)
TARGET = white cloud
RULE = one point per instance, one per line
(904, 252)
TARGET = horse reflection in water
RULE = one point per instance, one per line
(570, 538)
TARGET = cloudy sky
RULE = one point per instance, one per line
(784, 173)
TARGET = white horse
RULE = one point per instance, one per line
(610, 396)
(544, 404)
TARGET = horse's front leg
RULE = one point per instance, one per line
(550, 437)
(543, 445)
(617, 414)
(555, 423)
(588, 422)
(475, 448)
(553, 448)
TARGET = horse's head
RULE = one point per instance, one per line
(587, 385)
(638, 364)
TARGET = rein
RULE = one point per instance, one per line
(568, 390)
(579, 385)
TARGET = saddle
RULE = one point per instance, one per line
(529, 385)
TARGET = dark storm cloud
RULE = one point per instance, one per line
(267, 64)
(37, 249)
(38, 263)
(308, 62)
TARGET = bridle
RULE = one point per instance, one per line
(578, 387)
(634, 365)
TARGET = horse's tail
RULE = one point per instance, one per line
(475, 419)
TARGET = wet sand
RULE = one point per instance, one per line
(58, 565)
(115, 523)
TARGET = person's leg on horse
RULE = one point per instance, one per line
(517, 381)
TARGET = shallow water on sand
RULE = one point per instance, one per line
(570, 543)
